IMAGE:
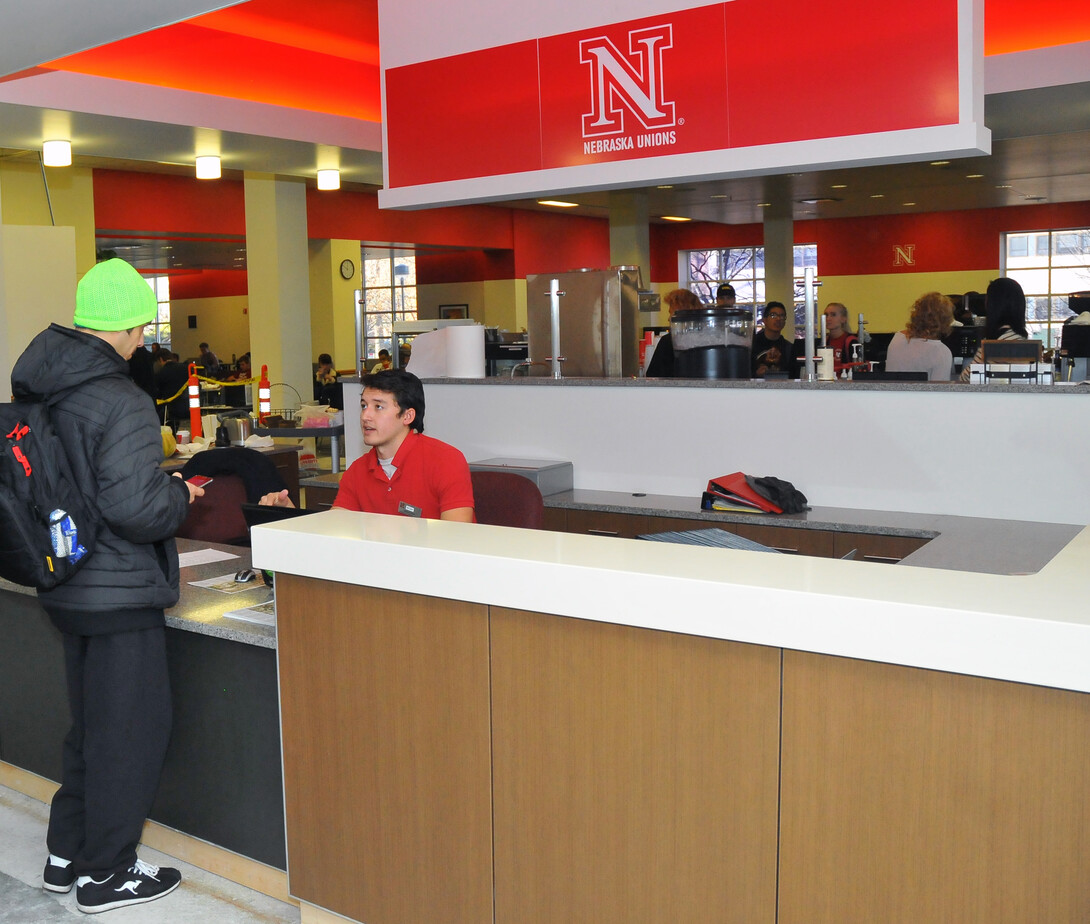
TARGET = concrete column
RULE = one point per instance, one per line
(779, 242)
(278, 283)
(629, 240)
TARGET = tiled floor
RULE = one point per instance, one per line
(202, 897)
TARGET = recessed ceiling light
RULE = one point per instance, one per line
(839, 186)
(674, 218)
(816, 200)
(667, 186)
(57, 153)
(720, 196)
(208, 167)
(878, 195)
(939, 163)
(973, 176)
(557, 203)
(1003, 186)
(908, 203)
(764, 205)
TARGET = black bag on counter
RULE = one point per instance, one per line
(782, 493)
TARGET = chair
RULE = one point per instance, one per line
(240, 476)
(217, 515)
(507, 499)
(257, 471)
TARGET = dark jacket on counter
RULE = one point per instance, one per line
(110, 431)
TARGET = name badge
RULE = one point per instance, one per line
(408, 510)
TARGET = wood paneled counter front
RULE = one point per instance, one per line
(483, 724)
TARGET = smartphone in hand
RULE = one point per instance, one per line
(199, 481)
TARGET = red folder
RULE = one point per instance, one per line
(735, 487)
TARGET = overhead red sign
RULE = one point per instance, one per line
(722, 77)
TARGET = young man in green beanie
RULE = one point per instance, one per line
(111, 612)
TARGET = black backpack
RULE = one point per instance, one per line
(47, 526)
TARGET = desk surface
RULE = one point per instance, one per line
(202, 610)
(1024, 628)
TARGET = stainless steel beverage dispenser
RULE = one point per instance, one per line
(598, 311)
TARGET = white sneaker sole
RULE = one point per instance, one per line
(124, 902)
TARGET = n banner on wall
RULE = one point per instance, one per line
(503, 108)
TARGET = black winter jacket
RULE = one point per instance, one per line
(110, 431)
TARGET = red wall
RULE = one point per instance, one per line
(494, 242)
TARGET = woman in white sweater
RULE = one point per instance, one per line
(919, 347)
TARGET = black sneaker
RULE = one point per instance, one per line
(58, 878)
(142, 882)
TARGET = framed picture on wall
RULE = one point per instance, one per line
(447, 312)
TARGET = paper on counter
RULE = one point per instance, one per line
(226, 584)
(263, 614)
(203, 557)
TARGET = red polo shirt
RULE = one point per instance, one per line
(431, 475)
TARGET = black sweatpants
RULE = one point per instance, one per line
(119, 695)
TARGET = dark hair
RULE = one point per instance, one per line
(1004, 306)
(771, 305)
(406, 389)
(202, 346)
(385, 353)
(324, 359)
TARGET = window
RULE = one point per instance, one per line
(1056, 265)
(158, 331)
(389, 294)
(744, 268)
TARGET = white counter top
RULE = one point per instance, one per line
(1023, 628)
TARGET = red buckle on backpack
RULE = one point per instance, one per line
(23, 461)
(21, 430)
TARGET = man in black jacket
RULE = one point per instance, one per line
(110, 613)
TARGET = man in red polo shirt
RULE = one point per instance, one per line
(405, 472)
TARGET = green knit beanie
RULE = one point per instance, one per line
(114, 296)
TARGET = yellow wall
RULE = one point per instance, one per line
(332, 300)
(23, 201)
(495, 303)
(223, 322)
(37, 287)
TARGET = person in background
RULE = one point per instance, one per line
(326, 374)
(919, 347)
(110, 613)
(209, 360)
(661, 365)
(242, 370)
(838, 335)
(724, 296)
(405, 472)
(142, 370)
(383, 362)
(1004, 317)
(772, 352)
(171, 378)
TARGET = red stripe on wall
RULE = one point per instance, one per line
(208, 284)
(157, 202)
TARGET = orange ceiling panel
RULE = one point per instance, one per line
(1014, 25)
(266, 51)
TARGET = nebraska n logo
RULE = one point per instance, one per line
(633, 81)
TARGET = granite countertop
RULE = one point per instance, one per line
(202, 610)
(962, 543)
(774, 384)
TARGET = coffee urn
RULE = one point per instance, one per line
(712, 343)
